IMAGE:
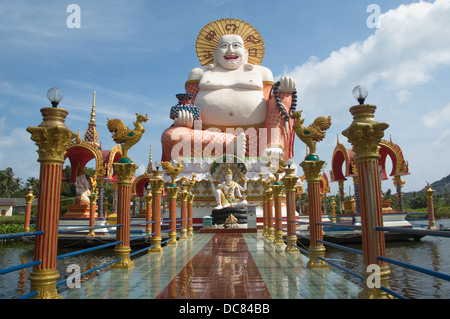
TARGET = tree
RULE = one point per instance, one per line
(8, 183)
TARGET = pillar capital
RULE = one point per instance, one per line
(29, 197)
(428, 191)
(157, 182)
(191, 198)
(365, 133)
(312, 170)
(289, 183)
(172, 192)
(52, 136)
(148, 198)
(278, 190)
(125, 172)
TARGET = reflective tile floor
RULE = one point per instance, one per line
(218, 266)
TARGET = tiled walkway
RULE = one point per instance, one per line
(218, 266)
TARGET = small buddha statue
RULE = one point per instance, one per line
(229, 192)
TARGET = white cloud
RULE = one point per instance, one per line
(394, 62)
(401, 55)
(438, 118)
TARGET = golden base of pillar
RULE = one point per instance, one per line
(278, 238)
(376, 293)
(270, 233)
(173, 239)
(314, 261)
(44, 281)
(290, 248)
(123, 252)
(184, 235)
(431, 226)
(91, 233)
(156, 243)
(190, 232)
(264, 232)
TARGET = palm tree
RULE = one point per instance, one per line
(8, 184)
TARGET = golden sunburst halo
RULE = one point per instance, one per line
(208, 40)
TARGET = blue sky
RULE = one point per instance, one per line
(137, 55)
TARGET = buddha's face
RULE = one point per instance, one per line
(230, 53)
(228, 178)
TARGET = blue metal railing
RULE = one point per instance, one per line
(399, 229)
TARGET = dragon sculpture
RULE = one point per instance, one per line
(312, 134)
(123, 135)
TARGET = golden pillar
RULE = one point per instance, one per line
(365, 134)
(190, 215)
(92, 200)
(125, 173)
(277, 195)
(333, 211)
(312, 170)
(157, 183)
(29, 197)
(183, 196)
(289, 182)
(172, 192)
(52, 138)
(429, 194)
(148, 212)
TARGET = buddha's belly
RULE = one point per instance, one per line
(231, 107)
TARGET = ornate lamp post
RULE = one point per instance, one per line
(52, 138)
(365, 134)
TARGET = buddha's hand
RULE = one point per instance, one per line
(184, 119)
(287, 84)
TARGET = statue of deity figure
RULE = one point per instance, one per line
(235, 96)
(229, 192)
(82, 189)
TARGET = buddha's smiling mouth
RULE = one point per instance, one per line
(231, 57)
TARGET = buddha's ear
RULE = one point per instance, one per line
(214, 64)
(246, 56)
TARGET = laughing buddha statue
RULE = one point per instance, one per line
(233, 93)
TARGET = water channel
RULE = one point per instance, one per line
(430, 252)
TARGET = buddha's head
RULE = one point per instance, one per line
(230, 53)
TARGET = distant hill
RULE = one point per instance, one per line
(442, 185)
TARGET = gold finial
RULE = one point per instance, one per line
(93, 110)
